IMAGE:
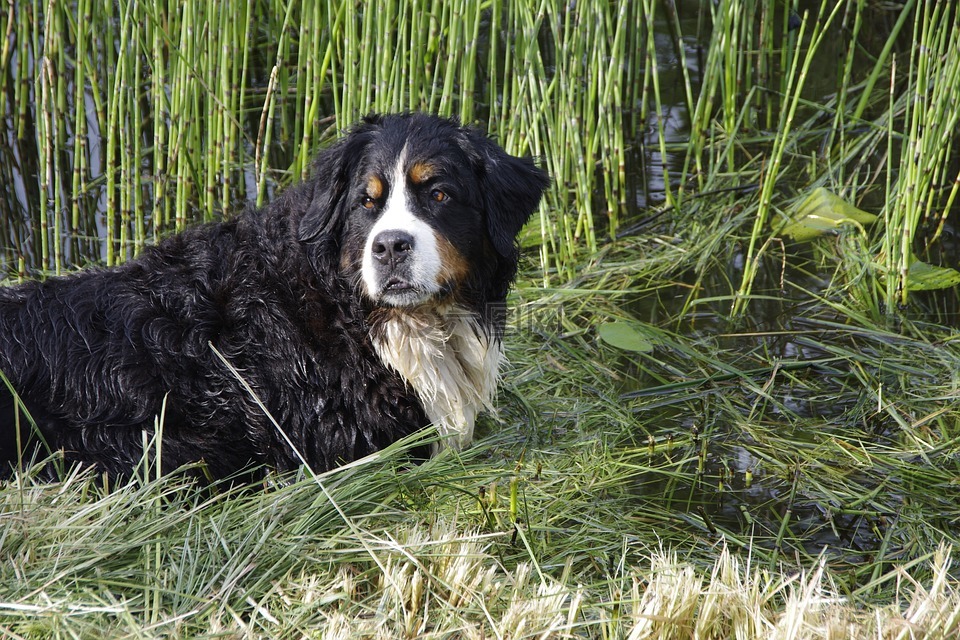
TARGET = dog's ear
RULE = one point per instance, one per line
(332, 173)
(512, 188)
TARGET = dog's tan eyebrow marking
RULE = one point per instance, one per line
(420, 172)
(374, 187)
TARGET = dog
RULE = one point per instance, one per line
(360, 306)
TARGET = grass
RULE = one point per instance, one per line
(390, 551)
(774, 454)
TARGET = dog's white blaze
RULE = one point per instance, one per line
(424, 261)
(451, 364)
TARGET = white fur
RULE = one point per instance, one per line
(450, 362)
(424, 260)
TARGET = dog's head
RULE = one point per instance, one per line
(417, 209)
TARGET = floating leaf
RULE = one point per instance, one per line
(624, 335)
(821, 213)
(925, 277)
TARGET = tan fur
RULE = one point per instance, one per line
(448, 360)
(454, 268)
(421, 172)
(374, 187)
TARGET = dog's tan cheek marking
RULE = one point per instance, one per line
(420, 172)
(455, 268)
(375, 187)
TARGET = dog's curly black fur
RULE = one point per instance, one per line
(95, 356)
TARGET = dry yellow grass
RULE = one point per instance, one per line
(444, 583)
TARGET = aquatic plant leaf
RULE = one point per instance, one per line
(624, 335)
(821, 213)
(925, 277)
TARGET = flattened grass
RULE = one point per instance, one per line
(546, 542)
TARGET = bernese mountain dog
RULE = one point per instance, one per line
(358, 307)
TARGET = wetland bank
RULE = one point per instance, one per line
(731, 404)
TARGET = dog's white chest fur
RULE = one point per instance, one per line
(451, 364)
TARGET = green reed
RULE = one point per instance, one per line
(794, 83)
(146, 116)
(928, 183)
(164, 109)
(886, 132)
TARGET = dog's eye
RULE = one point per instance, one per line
(438, 195)
(368, 202)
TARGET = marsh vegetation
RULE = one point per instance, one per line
(731, 408)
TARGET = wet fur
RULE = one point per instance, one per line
(95, 356)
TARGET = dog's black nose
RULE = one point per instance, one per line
(392, 247)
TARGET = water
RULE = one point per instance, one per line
(732, 477)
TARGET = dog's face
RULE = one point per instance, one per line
(418, 210)
(417, 225)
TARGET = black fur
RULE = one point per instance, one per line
(94, 355)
